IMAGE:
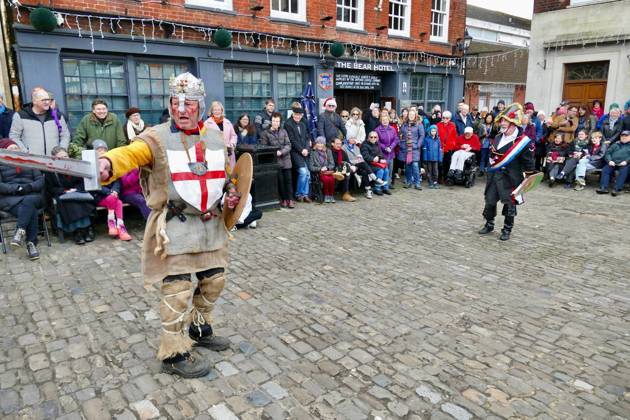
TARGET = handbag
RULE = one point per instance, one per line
(76, 196)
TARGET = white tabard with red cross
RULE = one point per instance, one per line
(199, 191)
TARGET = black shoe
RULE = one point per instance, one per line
(505, 234)
(379, 192)
(487, 228)
(406, 186)
(418, 187)
(387, 192)
(187, 367)
(78, 237)
(614, 193)
(31, 251)
(90, 235)
(212, 342)
(601, 191)
(18, 238)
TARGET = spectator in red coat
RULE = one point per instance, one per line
(467, 144)
(448, 136)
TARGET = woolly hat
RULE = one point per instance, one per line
(330, 101)
(5, 143)
(99, 144)
(613, 105)
(529, 106)
(626, 105)
(501, 101)
(131, 111)
(320, 140)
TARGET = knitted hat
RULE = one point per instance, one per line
(501, 101)
(626, 105)
(320, 140)
(330, 101)
(613, 105)
(99, 144)
(529, 106)
(131, 111)
(5, 143)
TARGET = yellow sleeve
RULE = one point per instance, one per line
(127, 158)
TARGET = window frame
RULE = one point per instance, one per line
(155, 60)
(241, 110)
(300, 16)
(425, 101)
(407, 19)
(275, 91)
(360, 17)
(446, 13)
(211, 4)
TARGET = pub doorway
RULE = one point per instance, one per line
(349, 98)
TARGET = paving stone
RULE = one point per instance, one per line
(9, 401)
(30, 394)
(247, 348)
(221, 412)
(275, 391)
(258, 398)
(145, 409)
(456, 411)
(94, 409)
(38, 361)
(428, 394)
(226, 368)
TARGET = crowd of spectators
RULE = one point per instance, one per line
(349, 151)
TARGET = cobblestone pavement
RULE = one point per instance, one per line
(390, 308)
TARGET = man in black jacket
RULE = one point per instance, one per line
(330, 123)
(510, 157)
(262, 121)
(297, 129)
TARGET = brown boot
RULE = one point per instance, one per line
(348, 197)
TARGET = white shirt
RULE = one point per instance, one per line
(507, 139)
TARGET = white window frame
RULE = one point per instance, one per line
(445, 12)
(350, 25)
(407, 19)
(299, 16)
(212, 4)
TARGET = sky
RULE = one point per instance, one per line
(522, 8)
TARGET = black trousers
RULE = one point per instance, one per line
(285, 184)
(446, 164)
(26, 213)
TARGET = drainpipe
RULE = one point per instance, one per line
(7, 66)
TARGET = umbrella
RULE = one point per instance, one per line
(308, 104)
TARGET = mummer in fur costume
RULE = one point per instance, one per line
(184, 178)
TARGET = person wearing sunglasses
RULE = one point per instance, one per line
(355, 127)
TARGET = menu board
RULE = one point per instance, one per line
(357, 81)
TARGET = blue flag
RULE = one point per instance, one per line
(308, 104)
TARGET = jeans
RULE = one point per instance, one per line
(583, 166)
(412, 173)
(26, 213)
(483, 162)
(382, 174)
(553, 169)
(303, 182)
(285, 184)
(608, 171)
(432, 171)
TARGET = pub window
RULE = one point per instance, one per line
(350, 14)
(439, 20)
(86, 80)
(399, 15)
(152, 80)
(290, 87)
(428, 90)
(213, 4)
(245, 91)
(289, 9)
(594, 70)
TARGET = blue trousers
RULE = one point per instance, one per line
(303, 182)
(384, 175)
(412, 173)
(608, 171)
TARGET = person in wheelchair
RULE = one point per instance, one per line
(467, 144)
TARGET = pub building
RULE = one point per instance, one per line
(134, 71)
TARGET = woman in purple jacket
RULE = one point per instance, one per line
(388, 140)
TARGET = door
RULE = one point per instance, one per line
(585, 82)
(349, 98)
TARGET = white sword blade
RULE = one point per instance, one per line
(85, 168)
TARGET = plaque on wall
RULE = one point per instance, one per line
(357, 81)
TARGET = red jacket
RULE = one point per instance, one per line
(448, 135)
(472, 141)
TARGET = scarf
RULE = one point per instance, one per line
(134, 129)
(192, 132)
(409, 158)
(218, 121)
(53, 112)
(611, 123)
(339, 157)
(321, 155)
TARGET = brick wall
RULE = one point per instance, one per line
(241, 19)
(471, 95)
(541, 6)
(519, 94)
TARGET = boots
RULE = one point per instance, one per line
(508, 224)
(204, 337)
(186, 366)
(487, 228)
(204, 298)
(348, 197)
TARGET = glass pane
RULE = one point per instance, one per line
(117, 69)
(155, 71)
(86, 101)
(144, 102)
(102, 69)
(168, 70)
(86, 68)
(73, 102)
(142, 70)
(104, 86)
(73, 84)
(70, 67)
(119, 86)
(157, 86)
(120, 103)
(88, 86)
(144, 87)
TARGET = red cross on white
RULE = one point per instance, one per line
(200, 191)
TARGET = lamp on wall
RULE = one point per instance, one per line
(325, 19)
(379, 29)
(256, 8)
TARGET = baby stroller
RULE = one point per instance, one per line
(466, 177)
(317, 192)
